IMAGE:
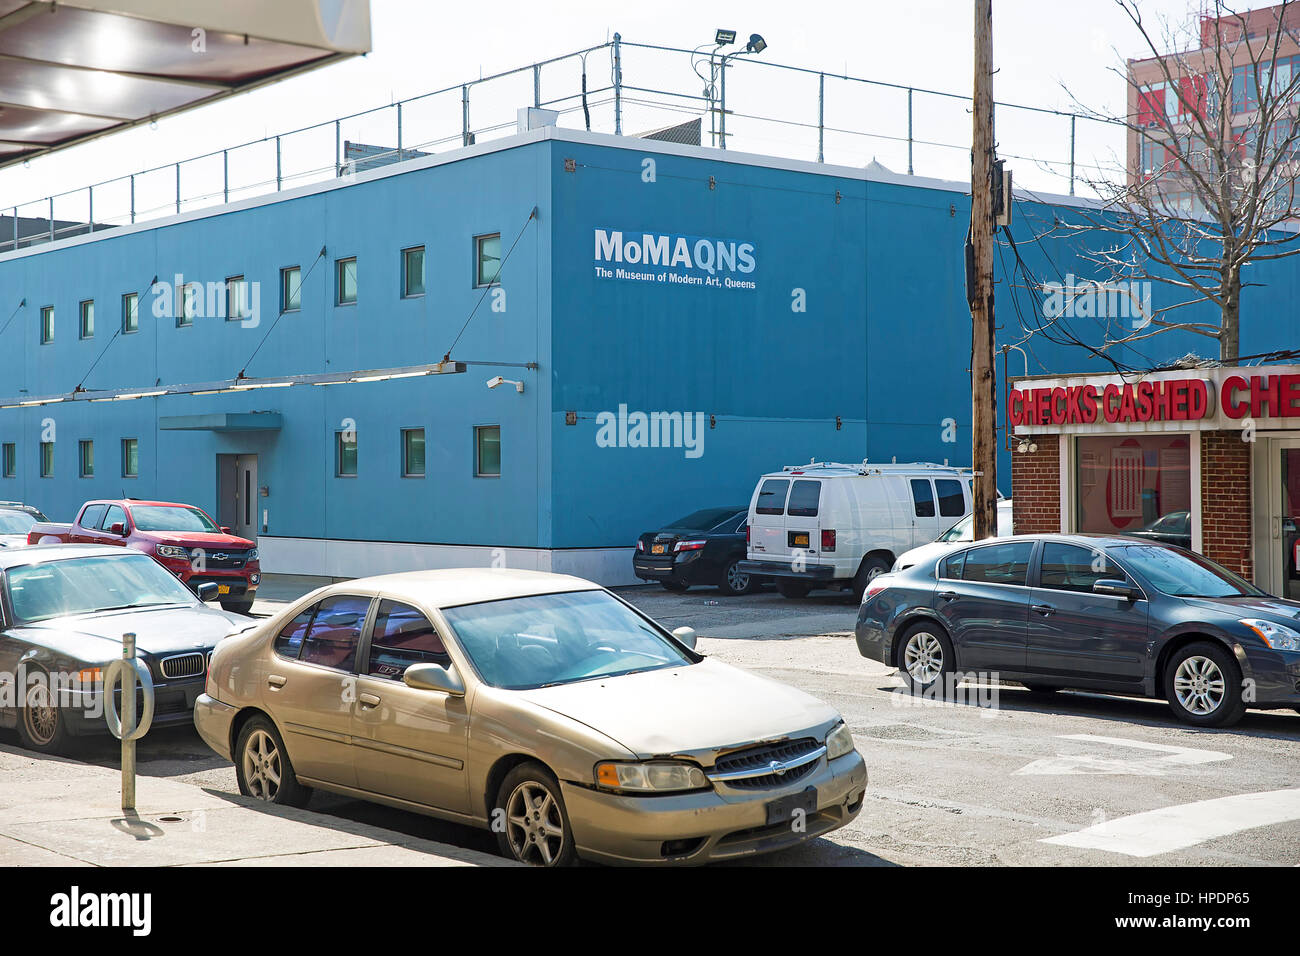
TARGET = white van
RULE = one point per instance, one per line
(828, 525)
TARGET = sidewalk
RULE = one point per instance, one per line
(56, 812)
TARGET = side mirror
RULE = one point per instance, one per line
(207, 591)
(225, 529)
(434, 677)
(117, 528)
(1116, 588)
(685, 635)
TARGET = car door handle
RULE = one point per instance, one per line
(275, 681)
(948, 595)
(368, 700)
(1043, 609)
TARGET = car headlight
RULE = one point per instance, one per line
(252, 555)
(1277, 636)
(656, 777)
(172, 551)
(839, 741)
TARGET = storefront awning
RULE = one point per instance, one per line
(221, 422)
(76, 69)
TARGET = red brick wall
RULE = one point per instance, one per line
(1225, 501)
(1036, 486)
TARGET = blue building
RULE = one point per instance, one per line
(680, 320)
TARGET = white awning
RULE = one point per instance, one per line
(75, 69)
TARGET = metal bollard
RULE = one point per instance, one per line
(128, 728)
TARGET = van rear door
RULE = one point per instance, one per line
(802, 520)
(767, 525)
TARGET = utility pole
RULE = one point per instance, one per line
(984, 441)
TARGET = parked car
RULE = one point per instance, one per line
(15, 523)
(705, 547)
(65, 609)
(1173, 528)
(29, 509)
(1097, 612)
(828, 525)
(538, 700)
(961, 532)
(182, 538)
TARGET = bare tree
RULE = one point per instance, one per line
(1209, 187)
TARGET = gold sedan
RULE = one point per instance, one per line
(540, 706)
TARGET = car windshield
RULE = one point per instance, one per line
(537, 641)
(963, 530)
(706, 520)
(15, 522)
(171, 518)
(1183, 575)
(49, 589)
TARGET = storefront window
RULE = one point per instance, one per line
(1134, 483)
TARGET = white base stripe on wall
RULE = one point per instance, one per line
(355, 559)
(1178, 827)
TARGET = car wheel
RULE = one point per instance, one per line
(263, 768)
(41, 724)
(536, 825)
(1203, 685)
(871, 568)
(925, 658)
(240, 606)
(792, 589)
(735, 581)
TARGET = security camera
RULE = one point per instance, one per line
(494, 382)
(498, 380)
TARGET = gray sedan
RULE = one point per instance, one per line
(63, 611)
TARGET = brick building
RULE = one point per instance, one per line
(1209, 458)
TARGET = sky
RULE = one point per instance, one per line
(1041, 50)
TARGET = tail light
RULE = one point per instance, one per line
(828, 540)
(746, 534)
(640, 545)
(689, 545)
(878, 584)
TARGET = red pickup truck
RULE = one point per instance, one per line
(182, 538)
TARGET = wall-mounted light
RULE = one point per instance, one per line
(1027, 447)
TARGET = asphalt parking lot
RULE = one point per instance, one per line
(1064, 779)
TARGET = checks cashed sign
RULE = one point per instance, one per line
(667, 259)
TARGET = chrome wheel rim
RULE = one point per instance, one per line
(923, 657)
(534, 825)
(262, 771)
(874, 572)
(736, 579)
(1199, 686)
(40, 716)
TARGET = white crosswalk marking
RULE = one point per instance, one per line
(1178, 827)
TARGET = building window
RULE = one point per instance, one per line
(487, 451)
(345, 273)
(237, 304)
(10, 456)
(191, 299)
(88, 319)
(412, 452)
(290, 289)
(130, 458)
(412, 272)
(345, 454)
(130, 313)
(86, 458)
(47, 459)
(47, 324)
(1127, 483)
(487, 259)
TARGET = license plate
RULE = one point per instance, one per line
(656, 549)
(786, 809)
(799, 539)
(223, 588)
